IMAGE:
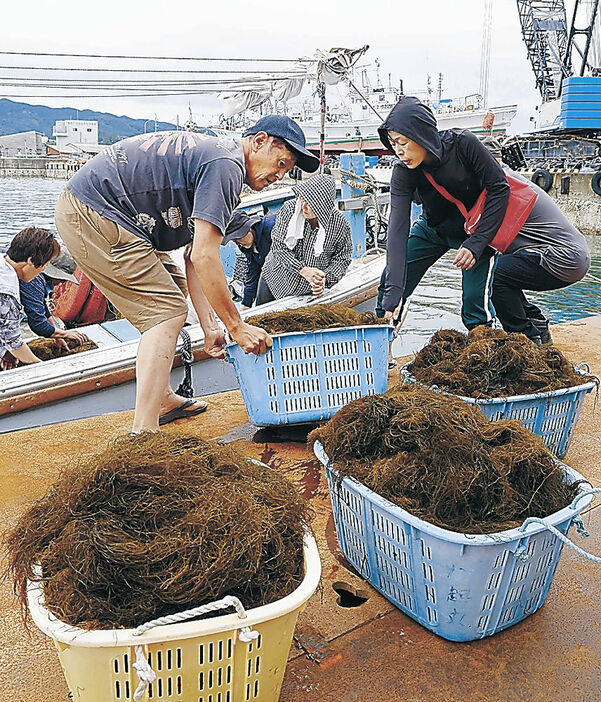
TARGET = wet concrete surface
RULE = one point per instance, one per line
(368, 653)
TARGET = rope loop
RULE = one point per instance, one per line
(144, 670)
(561, 537)
(186, 389)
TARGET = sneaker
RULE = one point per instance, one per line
(536, 340)
(545, 337)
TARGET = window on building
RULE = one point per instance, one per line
(74, 129)
(89, 130)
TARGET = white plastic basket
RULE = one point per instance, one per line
(231, 658)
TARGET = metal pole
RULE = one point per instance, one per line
(322, 132)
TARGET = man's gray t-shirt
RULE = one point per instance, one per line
(155, 185)
(548, 232)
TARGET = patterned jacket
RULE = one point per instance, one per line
(282, 266)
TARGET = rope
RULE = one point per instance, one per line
(561, 537)
(186, 389)
(143, 668)
(370, 186)
(145, 673)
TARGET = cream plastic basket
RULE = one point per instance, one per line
(232, 658)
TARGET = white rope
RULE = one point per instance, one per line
(145, 673)
(144, 670)
(561, 537)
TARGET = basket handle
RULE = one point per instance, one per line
(583, 366)
(561, 537)
(143, 668)
(584, 493)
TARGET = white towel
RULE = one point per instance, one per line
(296, 231)
(319, 241)
(296, 227)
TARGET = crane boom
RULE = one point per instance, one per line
(545, 33)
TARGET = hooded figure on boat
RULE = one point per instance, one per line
(311, 245)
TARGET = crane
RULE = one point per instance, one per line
(550, 43)
(565, 60)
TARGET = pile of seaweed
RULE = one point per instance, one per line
(312, 318)
(491, 363)
(441, 459)
(159, 523)
(47, 349)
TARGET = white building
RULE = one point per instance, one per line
(23, 144)
(75, 131)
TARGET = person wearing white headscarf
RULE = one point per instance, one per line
(311, 245)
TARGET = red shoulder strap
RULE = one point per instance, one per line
(447, 195)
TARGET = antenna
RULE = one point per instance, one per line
(485, 54)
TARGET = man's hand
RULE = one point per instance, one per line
(464, 259)
(64, 335)
(215, 343)
(251, 339)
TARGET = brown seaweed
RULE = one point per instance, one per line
(311, 318)
(441, 459)
(491, 363)
(47, 349)
(158, 523)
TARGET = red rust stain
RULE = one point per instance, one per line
(311, 477)
(267, 455)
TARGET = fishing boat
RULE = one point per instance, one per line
(102, 380)
(356, 128)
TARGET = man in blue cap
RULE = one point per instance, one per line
(144, 196)
(252, 235)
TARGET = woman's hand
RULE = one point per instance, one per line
(313, 276)
(392, 316)
(464, 259)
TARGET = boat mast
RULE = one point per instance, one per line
(485, 55)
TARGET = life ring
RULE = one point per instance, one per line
(543, 179)
(596, 183)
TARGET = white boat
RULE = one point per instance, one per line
(356, 128)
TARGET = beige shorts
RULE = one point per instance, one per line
(144, 284)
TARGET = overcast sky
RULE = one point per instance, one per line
(410, 38)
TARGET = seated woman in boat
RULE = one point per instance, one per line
(311, 246)
(34, 294)
(449, 171)
(30, 251)
(252, 235)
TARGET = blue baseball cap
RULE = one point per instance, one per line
(239, 226)
(288, 130)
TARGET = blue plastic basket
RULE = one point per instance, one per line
(309, 376)
(460, 586)
(552, 415)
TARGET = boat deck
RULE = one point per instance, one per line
(368, 653)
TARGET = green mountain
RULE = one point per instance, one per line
(22, 117)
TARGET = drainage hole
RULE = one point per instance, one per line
(348, 596)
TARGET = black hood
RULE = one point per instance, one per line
(414, 120)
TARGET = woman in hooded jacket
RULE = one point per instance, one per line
(311, 244)
(543, 252)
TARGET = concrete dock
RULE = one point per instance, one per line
(371, 652)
